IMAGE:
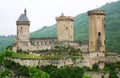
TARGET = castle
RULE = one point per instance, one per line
(92, 52)
(65, 34)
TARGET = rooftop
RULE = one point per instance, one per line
(23, 17)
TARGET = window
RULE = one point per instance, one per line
(99, 33)
(66, 28)
(21, 30)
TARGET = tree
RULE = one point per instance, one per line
(5, 73)
(85, 76)
(36, 73)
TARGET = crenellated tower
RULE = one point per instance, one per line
(96, 30)
(65, 28)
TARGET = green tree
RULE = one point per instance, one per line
(23, 71)
(67, 72)
(86, 76)
(36, 73)
(5, 73)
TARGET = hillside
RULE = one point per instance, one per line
(6, 41)
(81, 27)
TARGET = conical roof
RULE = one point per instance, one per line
(23, 17)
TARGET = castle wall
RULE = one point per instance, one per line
(55, 62)
(112, 58)
(43, 43)
(67, 61)
(73, 44)
(97, 74)
(93, 57)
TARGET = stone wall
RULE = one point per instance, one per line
(50, 43)
(98, 74)
(93, 57)
(87, 60)
(43, 43)
(55, 62)
(113, 58)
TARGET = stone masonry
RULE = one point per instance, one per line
(96, 31)
(65, 28)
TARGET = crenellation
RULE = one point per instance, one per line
(23, 23)
(64, 18)
(96, 12)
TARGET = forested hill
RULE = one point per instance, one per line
(81, 27)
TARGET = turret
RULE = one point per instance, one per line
(22, 40)
(23, 27)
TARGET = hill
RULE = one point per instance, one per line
(6, 41)
(81, 27)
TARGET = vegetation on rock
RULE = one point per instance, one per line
(11, 69)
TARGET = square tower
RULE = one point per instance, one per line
(65, 28)
(96, 30)
(22, 40)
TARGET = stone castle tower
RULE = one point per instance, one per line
(96, 30)
(22, 39)
(65, 28)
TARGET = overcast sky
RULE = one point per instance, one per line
(41, 12)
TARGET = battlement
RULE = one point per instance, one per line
(23, 23)
(65, 18)
(96, 12)
(43, 38)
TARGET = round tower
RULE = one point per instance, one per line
(96, 30)
(65, 28)
(23, 25)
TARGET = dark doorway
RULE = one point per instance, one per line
(99, 33)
